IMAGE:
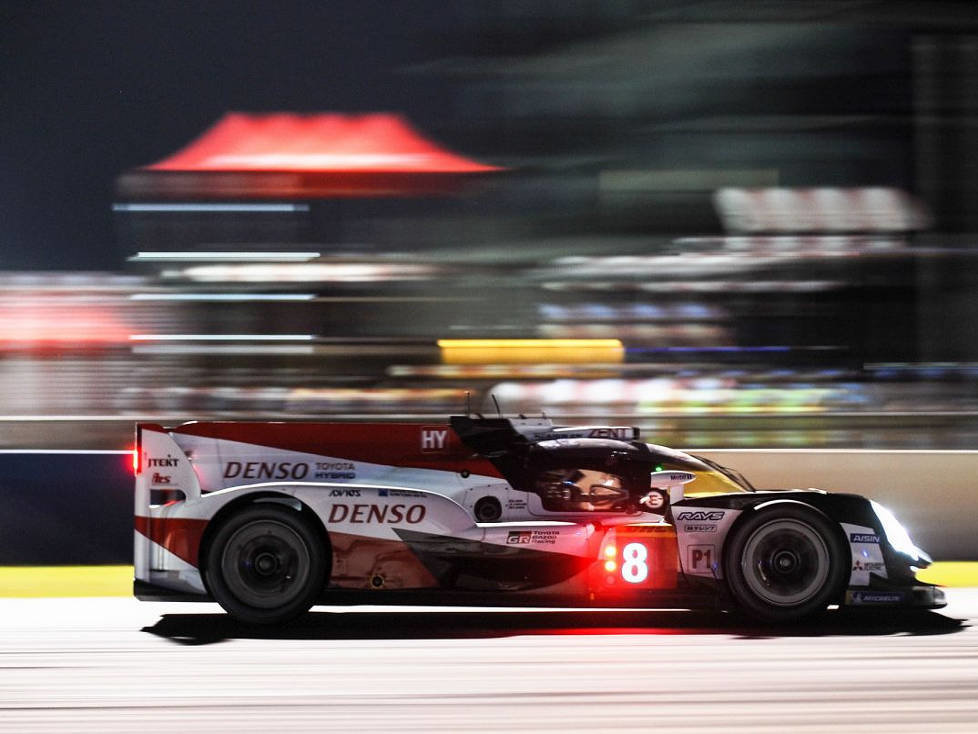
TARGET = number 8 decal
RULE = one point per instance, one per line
(634, 568)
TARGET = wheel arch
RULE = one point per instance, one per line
(272, 497)
(752, 510)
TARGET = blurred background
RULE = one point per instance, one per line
(731, 224)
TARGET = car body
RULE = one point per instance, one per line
(269, 519)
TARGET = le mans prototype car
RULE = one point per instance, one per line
(269, 519)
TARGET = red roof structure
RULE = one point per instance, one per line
(308, 156)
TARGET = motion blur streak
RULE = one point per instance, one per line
(41, 323)
(547, 351)
(220, 256)
(115, 665)
(769, 209)
(219, 297)
(212, 207)
(307, 273)
(221, 337)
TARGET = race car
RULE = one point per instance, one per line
(269, 519)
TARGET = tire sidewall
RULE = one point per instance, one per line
(313, 586)
(831, 589)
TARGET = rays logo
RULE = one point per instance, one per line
(701, 516)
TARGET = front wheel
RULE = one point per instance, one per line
(786, 563)
(266, 564)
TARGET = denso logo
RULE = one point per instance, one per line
(377, 514)
(701, 516)
(168, 461)
(266, 470)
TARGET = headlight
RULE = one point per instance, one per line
(895, 533)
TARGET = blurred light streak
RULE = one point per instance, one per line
(682, 333)
(219, 297)
(218, 256)
(488, 351)
(331, 142)
(801, 246)
(698, 286)
(826, 209)
(641, 312)
(731, 349)
(76, 452)
(504, 371)
(223, 350)
(41, 323)
(380, 400)
(223, 337)
(669, 396)
(211, 207)
(306, 273)
(398, 299)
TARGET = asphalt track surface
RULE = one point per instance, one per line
(115, 664)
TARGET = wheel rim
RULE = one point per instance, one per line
(785, 562)
(266, 564)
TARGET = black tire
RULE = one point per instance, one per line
(786, 563)
(267, 564)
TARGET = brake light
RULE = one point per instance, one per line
(137, 452)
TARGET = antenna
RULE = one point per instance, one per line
(468, 404)
(496, 403)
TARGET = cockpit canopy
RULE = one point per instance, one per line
(584, 473)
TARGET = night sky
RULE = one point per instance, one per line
(88, 90)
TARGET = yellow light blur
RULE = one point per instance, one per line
(523, 351)
(65, 581)
(610, 566)
(610, 551)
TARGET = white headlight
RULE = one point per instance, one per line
(896, 534)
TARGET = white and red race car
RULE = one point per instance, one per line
(269, 519)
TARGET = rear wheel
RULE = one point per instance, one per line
(266, 564)
(786, 563)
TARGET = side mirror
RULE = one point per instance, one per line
(671, 481)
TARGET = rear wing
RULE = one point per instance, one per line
(163, 472)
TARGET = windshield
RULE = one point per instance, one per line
(711, 477)
(731, 474)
